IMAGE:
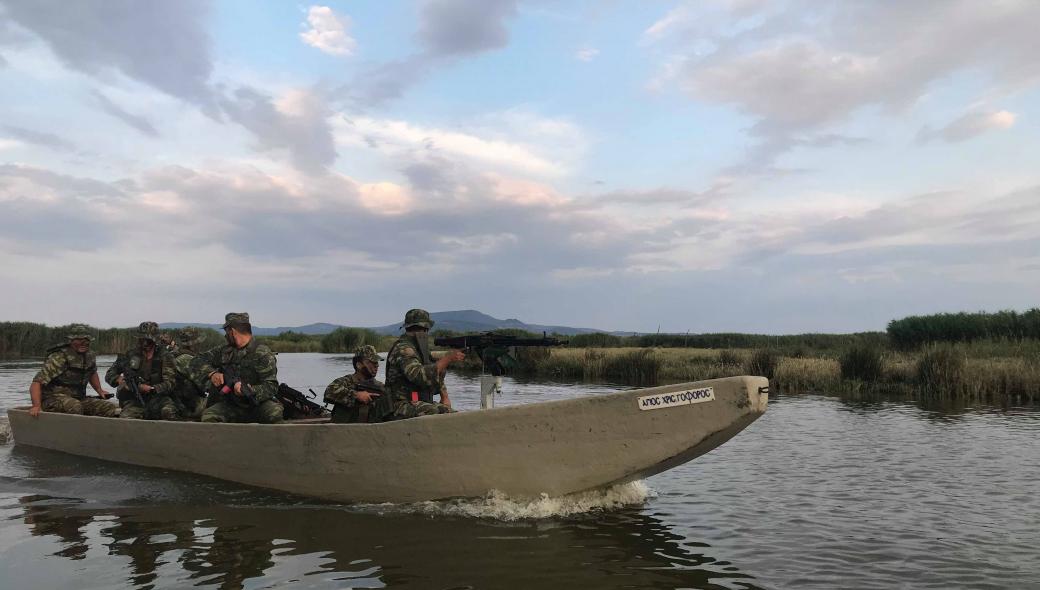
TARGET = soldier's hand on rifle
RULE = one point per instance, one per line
(238, 388)
(217, 379)
(365, 397)
(145, 388)
(103, 394)
(119, 380)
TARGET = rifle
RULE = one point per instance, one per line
(493, 349)
(232, 378)
(298, 405)
(133, 381)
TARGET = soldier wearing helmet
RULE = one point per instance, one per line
(61, 385)
(412, 376)
(359, 397)
(151, 366)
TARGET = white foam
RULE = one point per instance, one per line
(498, 506)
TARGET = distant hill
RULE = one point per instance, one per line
(467, 320)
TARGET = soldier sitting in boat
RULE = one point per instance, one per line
(189, 393)
(61, 385)
(359, 397)
(145, 378)
(243, 375)
(412, 376)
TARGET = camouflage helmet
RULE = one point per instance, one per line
(417, 317)
(236, 319)
(367, 353)
(78, 332)
(190, 336)
(148, 331)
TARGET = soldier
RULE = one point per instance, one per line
(412, 376)
(61, 385)
(152, 367)
(249, 397)
(359, 397)
(189, 393)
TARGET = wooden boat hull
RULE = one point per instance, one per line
(555, 447)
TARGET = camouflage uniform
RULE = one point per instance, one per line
(157, 372)
(412, 373)
(64, 378)
(189, 394)
(255, 365)
(341, 393)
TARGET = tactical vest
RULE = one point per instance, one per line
(401, 382)
(78, 369)
(375, 411)
(243, 363)
(153, 374)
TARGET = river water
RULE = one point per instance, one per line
(818, 493)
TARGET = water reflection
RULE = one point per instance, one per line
(329, 546)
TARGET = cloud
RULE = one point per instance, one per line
(968, 126)
(138, 122)
(40, 138)
(448, 30)
(166, 46)
(796, 76)
(586, 54)
(464, 27)
(328, 31)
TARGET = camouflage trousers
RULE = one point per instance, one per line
(190, 407)
(156, 407)
(64, 402)
(407, 409)
(267, 412)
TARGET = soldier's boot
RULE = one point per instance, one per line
(133, 410)
(99, 407)
(61, 404)
(271, 412)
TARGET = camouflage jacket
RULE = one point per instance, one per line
(341, 393)
(254, 362)
(409, 367)
(65, 367)
(159, 373)
(186, 386)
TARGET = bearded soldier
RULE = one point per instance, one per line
(412, 376)
(61, 385)
(151, 368)
(189, 394)
(243, 373)
(358, 397)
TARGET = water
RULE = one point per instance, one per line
(819, 493)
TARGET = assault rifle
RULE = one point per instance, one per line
(133, 383)
(298, 405)
(494, 349)
(232, 378)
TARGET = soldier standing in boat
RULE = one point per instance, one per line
(189, 394)
(61, 385)
(151, 367)
(412, 376)
(243, 374)
(359, 397)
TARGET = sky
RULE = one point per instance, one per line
(713, 165)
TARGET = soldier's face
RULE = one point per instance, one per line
(370, 367)
(147, 345)
(80, 345)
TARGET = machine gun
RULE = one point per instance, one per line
(494, 352)
(298, 405)
(494, 349)
(232, 378)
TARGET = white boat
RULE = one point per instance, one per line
(557, 447)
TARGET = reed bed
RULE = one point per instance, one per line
(944, 372)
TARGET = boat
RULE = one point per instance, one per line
(556, 448)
